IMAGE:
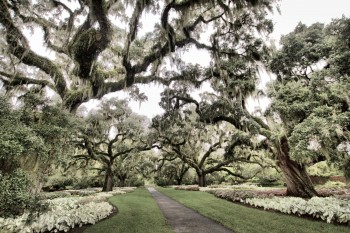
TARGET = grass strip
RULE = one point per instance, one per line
(138, 212)
(242, 219)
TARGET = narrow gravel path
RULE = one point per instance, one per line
(183, 219)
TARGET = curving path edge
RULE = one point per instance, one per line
(183, 219)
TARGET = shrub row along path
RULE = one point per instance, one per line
(183, 219)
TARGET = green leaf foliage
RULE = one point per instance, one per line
(15, 196)
(311, 93)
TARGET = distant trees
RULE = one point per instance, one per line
(204, 148)
(170, 170)
(113, 133)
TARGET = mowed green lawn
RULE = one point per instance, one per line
(138, 213)
(243, 219)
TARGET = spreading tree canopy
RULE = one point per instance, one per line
(99, 47)
(205, 148)
(112, 134)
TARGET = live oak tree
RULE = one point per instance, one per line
(97, 47)
(311, 94)
(113, 131)
(308, 118)
(205, 148)
(170, 169)
(131, 169)
(233, 80)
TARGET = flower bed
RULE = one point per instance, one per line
(187, 187)
(242, 195)
(64, 213)
(330, 209)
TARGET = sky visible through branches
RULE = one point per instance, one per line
(292, 12)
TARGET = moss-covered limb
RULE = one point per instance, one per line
(88, 42)
(212, 148)
(167, 27)
(46, 26)
(32, 59)
(58, 3)
(108, 87)
(190, 28)
(74, 98)
(18, 79)
(186, 159)
(133, 26)
(99, 12)
(72, 15)
(18, 46)
(13, 33)
(162, 51)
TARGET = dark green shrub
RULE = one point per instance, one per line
(88, 182)
(189, 179)
(161, 181)
(136, 182)
(15, 195)
(58, 183)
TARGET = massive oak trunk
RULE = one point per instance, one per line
(298, 181)
(201, 179)
(108, 182)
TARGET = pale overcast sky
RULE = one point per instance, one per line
(308, 12)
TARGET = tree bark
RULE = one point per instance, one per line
(108, 182)
(298, 181)
(179, 180)
(201, 179)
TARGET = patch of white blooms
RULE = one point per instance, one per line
(329, 209)
(64, 214)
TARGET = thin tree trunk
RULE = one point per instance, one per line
(122, 179)
(298, 181)
(108, 182)
(180, 176)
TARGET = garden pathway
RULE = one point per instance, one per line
(183, 219)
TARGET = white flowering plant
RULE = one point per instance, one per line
(329, 209)
(64, 213)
